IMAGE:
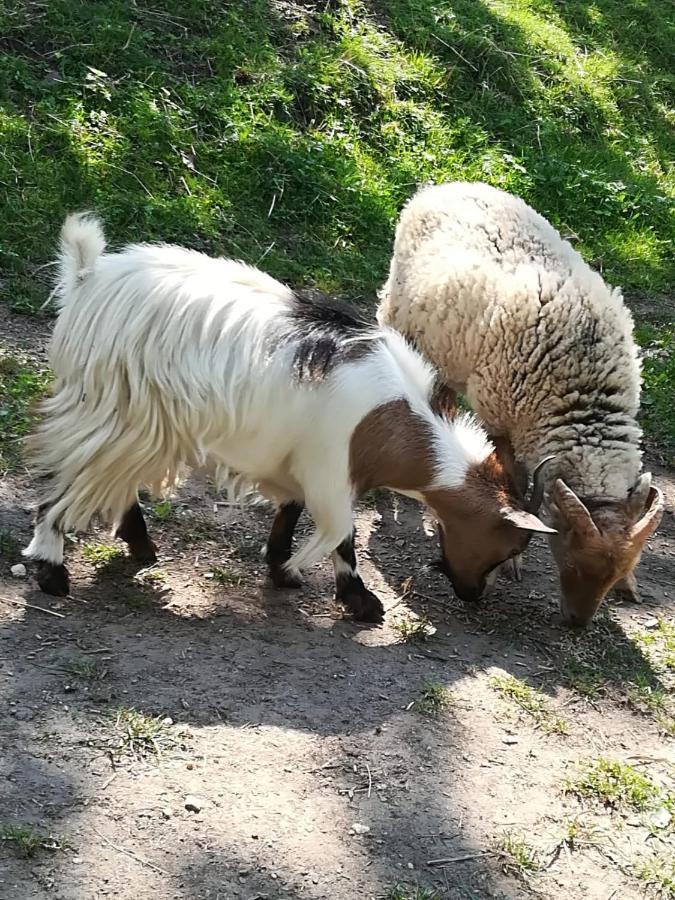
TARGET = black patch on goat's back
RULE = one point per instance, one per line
(326, 333)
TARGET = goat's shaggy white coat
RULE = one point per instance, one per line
(515, 319)
(164, 357)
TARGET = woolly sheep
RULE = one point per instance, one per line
(165, 358)
(543, 350)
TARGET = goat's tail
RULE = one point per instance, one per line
(82, 242)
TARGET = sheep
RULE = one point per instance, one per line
(543, 350)
(165, 358)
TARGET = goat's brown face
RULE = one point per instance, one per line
(481, 525)
(597, 545)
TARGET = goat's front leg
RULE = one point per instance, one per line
(627, 589)
(46, 549)
(277, 550)
(349, 587)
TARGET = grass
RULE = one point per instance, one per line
(22, 382)
(399, 892)
(163, 510)
(226, 577)
(413, 629)
(9, 546)
(517, 856)
(86, 668)
(290, 135)
(660, 642)
(101, 554)
(659, 874)
(616, 785)
(530, 701)
(142, 736)
(434, 699)
(27, 840)
(658, 371)
(654, 701)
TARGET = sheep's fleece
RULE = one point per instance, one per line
(516, 320)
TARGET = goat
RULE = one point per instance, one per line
(165, 358)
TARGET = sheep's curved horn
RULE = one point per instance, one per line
(573, 511)
(537, 496)
(648, 524)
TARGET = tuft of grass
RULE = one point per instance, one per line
(27, 840)
(226, 577)
(531, 701)
(142, 736)
(660, 642)
(400, 892)
(86, 668)
(658, 373)
(434, 699)
(22, 382)
(413, 629)
(578, 834)
(659, 874)
(616, 785)
(517, 856)
(654, 701)
(101, 554)
(163, 510)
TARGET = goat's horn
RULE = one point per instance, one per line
(538, 485)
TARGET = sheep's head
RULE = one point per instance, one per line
(599, 543)
(484, 523)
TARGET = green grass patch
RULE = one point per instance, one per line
(517, 856)
(86, 668)
(530, 701)
(291, 134)
(660, 642)
(226, 577)
(413, 628)
(22, 382)
(27, 840)
(658, 372)
(163, 510)
(434, 699)
(659, 874)
(102, 554)
(616, 785)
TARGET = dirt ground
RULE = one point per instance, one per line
(298, 755)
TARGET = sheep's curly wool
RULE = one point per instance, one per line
(516, 320)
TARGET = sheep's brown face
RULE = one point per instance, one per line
(597, 546)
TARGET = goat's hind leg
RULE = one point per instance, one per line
(134, 532)
(46, 548)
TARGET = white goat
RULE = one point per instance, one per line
(164, 358)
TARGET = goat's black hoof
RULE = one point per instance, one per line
(143, 552)
(53, 579)
(281, 578)
(362, 603)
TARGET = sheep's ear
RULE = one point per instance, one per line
(525, 520)
(647, 525)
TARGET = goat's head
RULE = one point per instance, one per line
(485, 522)
(599, 542)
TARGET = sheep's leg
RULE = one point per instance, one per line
(46, 548)
(349, 587)
(627, 589)
(277, 550)
(133, 530)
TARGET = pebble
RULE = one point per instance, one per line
(660, 818)
(652, 623)
(509, 739)
(18, 571)
(193, 804)
(358, 828)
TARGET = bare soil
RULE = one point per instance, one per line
(289, 724)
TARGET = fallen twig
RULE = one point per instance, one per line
(370, 780)
(130, 853)
(448, 860)
(22, 603)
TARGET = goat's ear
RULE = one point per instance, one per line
(443, 400)
(525, 520)
(647, 525)
(573, 512)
